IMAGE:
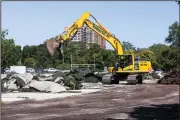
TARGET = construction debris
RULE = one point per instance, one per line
(57, 82)
(86, 75)
(29, 83)
(60, 82)
(92, 85)
(46, 86)
(173, 77)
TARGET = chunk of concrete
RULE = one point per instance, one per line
(11, 85)
(59, 80)
(45, 79)
(26, 78)
(47, 86)
(92, 85)
(3, 76)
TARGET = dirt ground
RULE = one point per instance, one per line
(138, 102)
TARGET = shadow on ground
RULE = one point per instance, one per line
(157, 112)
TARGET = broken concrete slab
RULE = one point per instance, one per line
(45, 79)
(29, 89)
(23, 78)
(3, 76)
(11, 85)
(47, 86)
(98, 85)
(59, 80)
(151, 81)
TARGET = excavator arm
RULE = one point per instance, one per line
(78, 24)
(72, 30)
(106, 36)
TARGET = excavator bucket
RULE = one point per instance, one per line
(51, 45)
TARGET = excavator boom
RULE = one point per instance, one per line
(78, 24)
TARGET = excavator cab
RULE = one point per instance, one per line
(125, 61)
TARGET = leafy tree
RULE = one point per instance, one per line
(174, 35)
(30, 62)
(178, 2)
(41, 55)
(64, 66)
(10, 53)
(171, 58)
(146, 55)
(108, 57)
(158, 49)
(172, 55)
(4, 33)
(168, 57)
(128, 46)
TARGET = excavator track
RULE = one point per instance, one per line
(107, 79)
(131, 79)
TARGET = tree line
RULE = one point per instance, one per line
(165, 56)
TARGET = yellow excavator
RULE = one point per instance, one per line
(127, 66)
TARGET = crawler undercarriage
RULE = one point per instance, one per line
(115, 78)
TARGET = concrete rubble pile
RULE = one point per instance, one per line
(54, 83)
(27, 83)
(158, 75)
(153, 75)
(86, 75)
(173, 77)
